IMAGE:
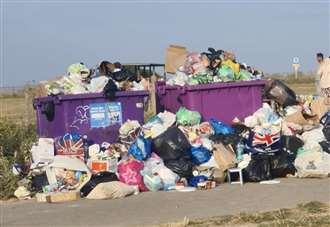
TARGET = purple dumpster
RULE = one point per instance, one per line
(222, 101)
(88, 114)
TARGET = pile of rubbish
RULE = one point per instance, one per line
(288, 136)
(106, 77)
(211, 67)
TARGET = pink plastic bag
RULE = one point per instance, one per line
(129, 173)
(194, 64)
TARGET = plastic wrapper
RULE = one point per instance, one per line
(129, 131)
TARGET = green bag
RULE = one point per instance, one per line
(244, 75)
(77, 68)
(202, 78)
(187, 117)
(225, 73)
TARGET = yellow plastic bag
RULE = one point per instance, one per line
(234, 66)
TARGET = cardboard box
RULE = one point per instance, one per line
(57, 197)
(302, 119)
(320, 106)
(174, 58)
(69, 163)
(224, 156)
(42, 197)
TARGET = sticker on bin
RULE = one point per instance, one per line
(105, 114)
(139, 105)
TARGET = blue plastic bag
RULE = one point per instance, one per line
(220, 127)
(193, 182)
(199, 155)
(140, 149)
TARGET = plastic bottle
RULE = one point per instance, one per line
(239, 151)
(85, 147)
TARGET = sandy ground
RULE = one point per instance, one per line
(161, 207)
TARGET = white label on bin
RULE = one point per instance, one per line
(139, 105)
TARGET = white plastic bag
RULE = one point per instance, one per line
(111, 190)
(312, 138)
(155, 165)
(97, 84)
(180, 78)
(168, 118)
(43, 151)
(313, 164)
(265, 117)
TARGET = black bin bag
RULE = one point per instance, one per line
(291, 144)
(171, 145)
(38, 182)
(258, 169)
(279, 92)
(182, 166)
(281, 164)
(325, 146)
(96, 179)
(325, 121)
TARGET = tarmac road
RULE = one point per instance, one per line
(161, 207)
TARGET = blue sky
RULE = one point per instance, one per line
(41, 38)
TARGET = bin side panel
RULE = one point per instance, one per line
(52, 128)
(170, 101)
(74, 115)
(223, 103)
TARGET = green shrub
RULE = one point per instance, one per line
(16, 140)
(15, 144)
(8, 181)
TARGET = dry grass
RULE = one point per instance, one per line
(304, 85)
(303, 89)
(309, 214)
(18, 109)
